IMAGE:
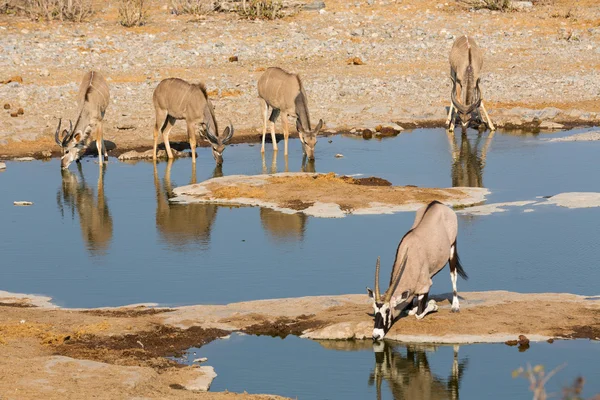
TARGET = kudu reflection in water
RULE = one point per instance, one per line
(283, 227)
(409, 376)
(308, 165)
(94, 216)
(181, 224)
(467, 161)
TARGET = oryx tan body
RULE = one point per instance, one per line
(284, 93)
(422, 253)
(92, 100)
(466, 62)
(176, 99)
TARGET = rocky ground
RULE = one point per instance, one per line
(540, 66)
(120, 352)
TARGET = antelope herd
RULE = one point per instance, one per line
(425, 249)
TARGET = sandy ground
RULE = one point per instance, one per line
(540, 66)
(337, 195)
(119, 352)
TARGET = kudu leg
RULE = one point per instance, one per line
(99, 143)
(449, 118)
(286, 133)
(273, 136)
(161, 120)
(167, 129)
(265, 118)
(192, 139)
(487, 117)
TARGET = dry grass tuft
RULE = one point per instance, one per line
(261, 9)
(133, 12)
(497, 5)
(194, 7)
(63, 10)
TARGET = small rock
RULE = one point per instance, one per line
(367, 134)
(14, 114)
(338, 155)
(147, 155)
(201, 360)
(551, 125)
(20, 111)
(354, 61)
(23, 159)
(15, 78)
(315, 5)
(44, 72)
(511, 342)
(7, 106)
(330, 141)
(550, 340)
(23, 203)
(521, 5)
(233, 59)
(2, 166)
(125, 127)
(523, 340)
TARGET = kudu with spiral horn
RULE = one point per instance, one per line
(466, 61)
(425, 249)
(92, 100)
(176, 99)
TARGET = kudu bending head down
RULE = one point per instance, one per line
(176, 99)
(385, 307)
(284, 93)
(92, 100)
(466, 60)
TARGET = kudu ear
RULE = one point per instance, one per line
(319, 126)
(228, 134)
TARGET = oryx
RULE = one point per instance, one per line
(423, 252)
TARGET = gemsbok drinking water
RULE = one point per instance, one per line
(423, 252)
(92, 101)
(284, 94)
(466, 61)
(176, 99)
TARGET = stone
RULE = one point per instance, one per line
(521, 5)
(23, 159)
(203, 381)
(315, 5)
(551, 125)
(338, 155)
(354, 61)
(23, 203)
(148, 154)
(7, 106)
(44, 72)
(233, 59)
(2, 166)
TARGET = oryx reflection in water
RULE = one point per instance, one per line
(182, 224)
(94, 216)
(408, 374)
(468, 160)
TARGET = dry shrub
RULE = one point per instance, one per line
(496, 5)
(193, 7)
(133, 12)
(261, 9)
(64, 10)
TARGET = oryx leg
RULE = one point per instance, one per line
(192, 139)
(450, 128)
(425, 307)
(413, 307)
(169, 123)
(487, 117)
(159, 125)
(454, 277)
(265, 119)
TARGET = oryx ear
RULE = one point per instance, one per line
(370, 293)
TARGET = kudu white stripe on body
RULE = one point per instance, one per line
(92, 100)
(176, 99)
(425, 249)
(284, 94)
(466, 61)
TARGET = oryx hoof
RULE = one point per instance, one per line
(455, 309)
(413, 311)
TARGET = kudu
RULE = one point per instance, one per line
(466, 61)
(423, 252)
(410, 377)
(94, 215)
(92, 101)
(176, 99)
(284, 94)
(181, 225)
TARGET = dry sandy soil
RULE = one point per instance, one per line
(59, 353)
(337, 195)
(541, 65)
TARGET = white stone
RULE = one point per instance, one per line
(203, 381)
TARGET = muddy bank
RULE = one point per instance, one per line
(338, 195)
(529, 78)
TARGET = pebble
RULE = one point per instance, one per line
(2, 166)
(23, 203)
(338, 155)
(201, 360)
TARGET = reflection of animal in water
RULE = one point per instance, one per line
(308, 165)
(94, 215)
(180, 224)
(409, 376)
(281, 226)
(467, 163)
